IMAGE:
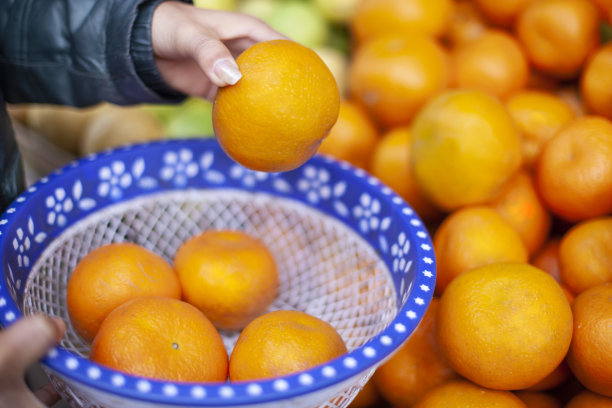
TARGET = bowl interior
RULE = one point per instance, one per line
(325, 269)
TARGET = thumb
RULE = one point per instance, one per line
(216, 60)
(28, 340)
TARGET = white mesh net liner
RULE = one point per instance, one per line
(325, 268)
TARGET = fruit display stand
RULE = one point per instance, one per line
(349, 251)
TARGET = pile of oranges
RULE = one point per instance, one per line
(493, 119)
(146, 317)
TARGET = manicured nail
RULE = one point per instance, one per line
(227, 71)
(58, 325)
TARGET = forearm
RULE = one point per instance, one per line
(79, 52)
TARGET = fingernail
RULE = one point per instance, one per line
(227, 71)
(58, 325)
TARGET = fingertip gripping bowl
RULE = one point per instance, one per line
(348, 249)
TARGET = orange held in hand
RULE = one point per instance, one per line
(464, 148)
(283, 342)
(274, 118)
(111, 275)
(229, 275)
(161, 338)
(504, 326)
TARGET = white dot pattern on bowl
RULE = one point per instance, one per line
(94, 373)
(350, 362)
(198, 392)
(386, 340)
(254, 389)
(369, 352)
(72, 363)
(226, 392)
(305, 379)
(328, 372)
(170, 390)
(143, 386)
(416, 277)
(281, 385)
(118, 380)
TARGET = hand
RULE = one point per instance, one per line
(195, 48)
(21, 345)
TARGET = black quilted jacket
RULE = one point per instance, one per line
(73, 52)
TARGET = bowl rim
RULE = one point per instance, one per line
(337, 371)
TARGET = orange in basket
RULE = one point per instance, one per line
(283, 342)
(161, 338)
(111, 275)
(230, 276)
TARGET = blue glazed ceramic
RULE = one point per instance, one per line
(350, 196)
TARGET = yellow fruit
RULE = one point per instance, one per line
(472, 237)
(538, 115)
(111, 275)
(230, 276)
(590, 355)
(161, 338)
(465, 147)
(283, 342)
(276, 116)
(461, 393)
(504, 326)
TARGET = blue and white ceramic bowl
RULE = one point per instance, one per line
(349, 251)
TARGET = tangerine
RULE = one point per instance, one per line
(574, 170)
(590, 354)
(393, 75)
(161, 338)
(353, 137)
(486, 316)
(465, 147)
(229, 275)
(283, 342)
(110, 275)
(277, 114)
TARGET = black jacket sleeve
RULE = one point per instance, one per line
(79, 52)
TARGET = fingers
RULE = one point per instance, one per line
(27, 341)
(216, 60)
(230, 25)
(211, 38)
